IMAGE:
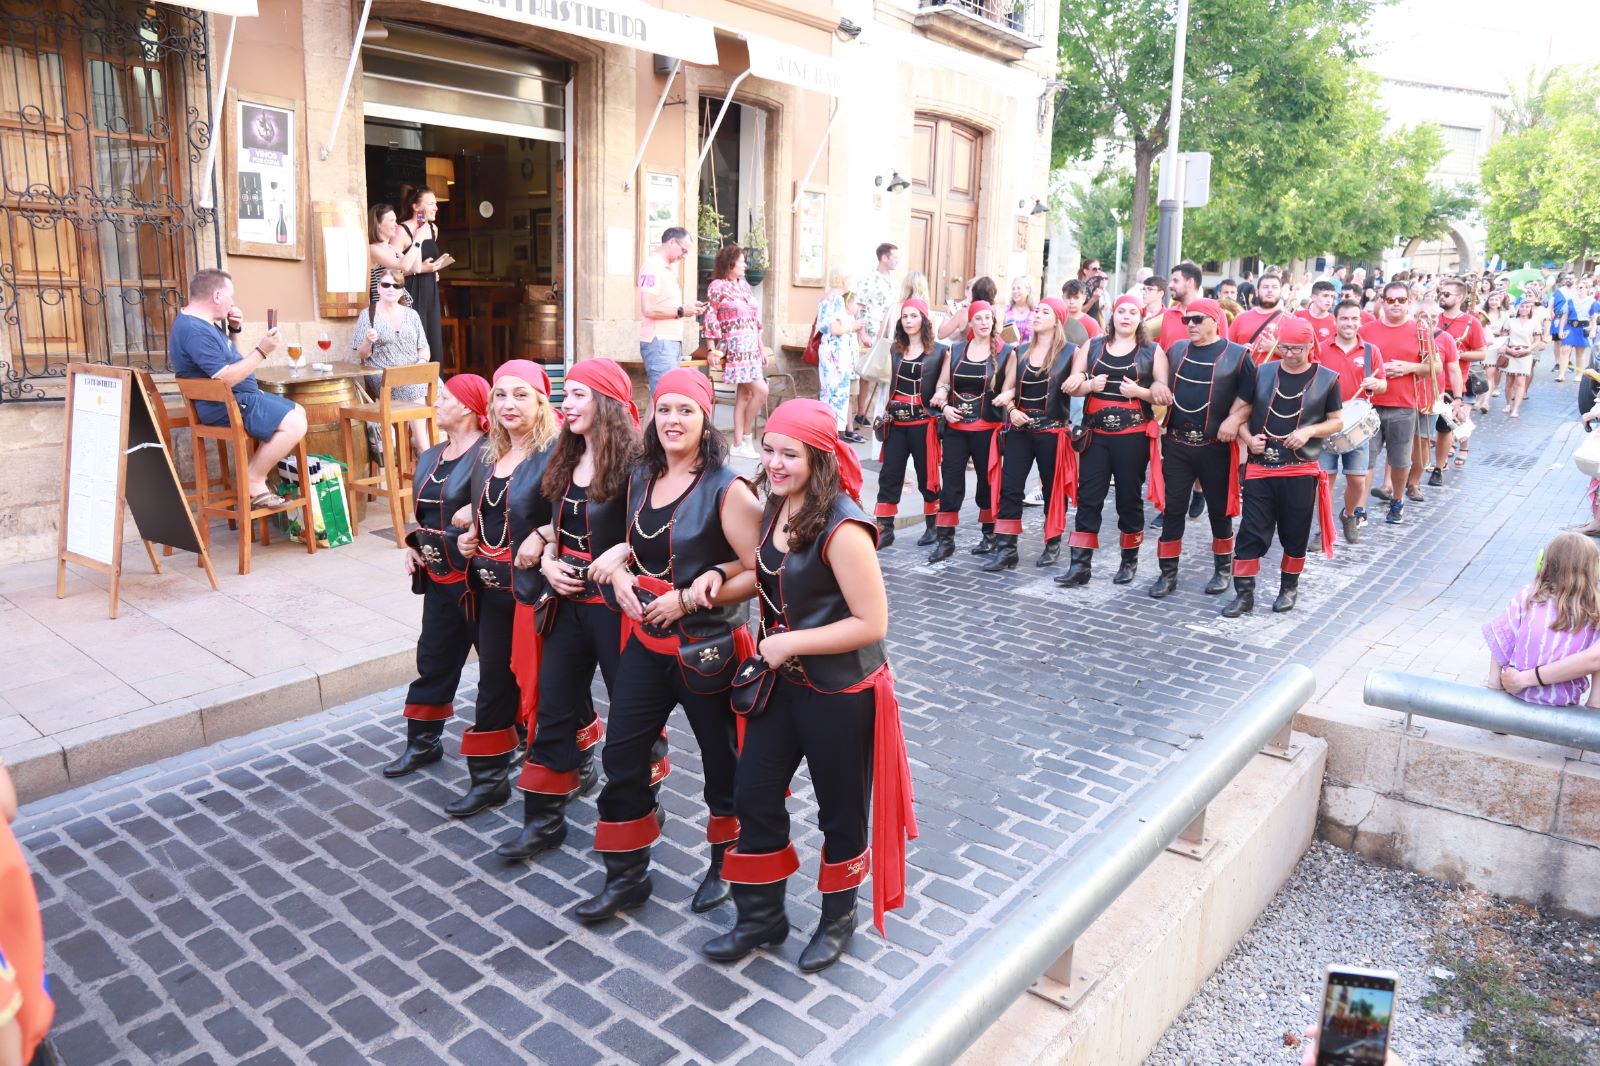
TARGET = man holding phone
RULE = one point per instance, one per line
(198, 349)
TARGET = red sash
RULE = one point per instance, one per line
(893, 819)
(1324, 493)
(932, 483)
(1156, 485)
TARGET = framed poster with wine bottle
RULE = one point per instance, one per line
(263, 174)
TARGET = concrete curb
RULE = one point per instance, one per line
(91, 752)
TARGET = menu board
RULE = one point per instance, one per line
(94, 487)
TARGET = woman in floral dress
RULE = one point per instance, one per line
(836, 355)
(733, 326)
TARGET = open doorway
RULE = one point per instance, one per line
(732, 184)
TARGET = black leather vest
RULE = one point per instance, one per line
(528, 511)
(696, 541)
(435, 537)
(1058, 405)
(606, 524)
(809, 594)
(1225, 383)
(1144, 368)
(994, 378)
(932, 365)
(1319, 401)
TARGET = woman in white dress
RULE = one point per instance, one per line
(1523, 338)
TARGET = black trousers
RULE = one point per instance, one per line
(1020, 451)
(904, 442)
(1184, 464)
(443, 645)
(584, 636)
(959, 448)
(648, 686)
(1285, 504)
(833, 732)
(1124, 457)
(499, 696)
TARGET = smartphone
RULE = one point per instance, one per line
(272, 318)
(1357, 1009)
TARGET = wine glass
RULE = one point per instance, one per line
(324, 341)
(296, 357)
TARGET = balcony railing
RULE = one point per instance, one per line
(1002, 29)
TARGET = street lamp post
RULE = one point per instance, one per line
(1169, 222)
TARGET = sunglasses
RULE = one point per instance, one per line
(1194, 320)
(390, 285)
(1396, 299)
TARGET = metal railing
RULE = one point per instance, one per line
(1450, 701)
(1023, 17)
(1036, 938)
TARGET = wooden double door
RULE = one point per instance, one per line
(947, 159)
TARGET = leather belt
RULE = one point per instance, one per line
(1116, 419)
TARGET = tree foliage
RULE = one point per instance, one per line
(1272, 90)
(1094, 210)
(1542, 180)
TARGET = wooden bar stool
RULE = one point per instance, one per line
(393, 421)
(235, 446)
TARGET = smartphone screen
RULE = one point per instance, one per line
(272, 318)
(1356, 1011)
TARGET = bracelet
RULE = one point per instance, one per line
(683, 604)
(1537, 678)
(719, 570)
(257, 350)
(235, 330)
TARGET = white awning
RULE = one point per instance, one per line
(236, 8)
(626, 22)
(799, 67)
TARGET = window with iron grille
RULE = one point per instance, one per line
(104, 119)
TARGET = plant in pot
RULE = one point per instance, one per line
(1017, 15)
(755, 248)
(710, 238)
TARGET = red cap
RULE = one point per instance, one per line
(919, 305)
(1210, 308)
(687, 381)
(1295, 330)
(473, 392)
(1131, 300)
(606, 377)
(527, 370)
(1057, 306)
(813, 422)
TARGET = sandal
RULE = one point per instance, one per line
(268, 501)
(1461, 461)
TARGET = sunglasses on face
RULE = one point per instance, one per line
(390, 285)
(1396, 299)
(1194, 320)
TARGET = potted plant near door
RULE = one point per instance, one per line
(1017, 15)
(755, 248)
(710, 237)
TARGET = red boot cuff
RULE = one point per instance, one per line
(838, 876)
(430, 712)
(885, 510)
(1084, 540)
(721, 829)
(1133, 540)
(1009, 527)
(660, 770)
(590, 735)
(1293, 564)
(547, 782)
(759, 869)
(627, 836)
(1221, 546)
(495, 742)
(947, 520)
(1169, 549)
(1246, 567)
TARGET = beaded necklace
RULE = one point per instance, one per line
(672, 519)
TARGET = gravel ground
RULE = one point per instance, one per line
(1339, 908)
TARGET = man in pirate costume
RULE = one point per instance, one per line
(1292, 404)
(1205, 375)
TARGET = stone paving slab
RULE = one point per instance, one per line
(270, 898)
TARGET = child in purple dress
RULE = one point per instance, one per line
(1555, 617)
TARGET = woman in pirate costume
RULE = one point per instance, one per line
(505, 494)
(971, 378)
(829, 699)
(586, 483)
(1038, 433)
(443, 487)
(908, 428)
(1116, 373)
(686, 512)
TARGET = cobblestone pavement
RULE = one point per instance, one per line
(271, 899)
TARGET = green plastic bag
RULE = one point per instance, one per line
(330, 513)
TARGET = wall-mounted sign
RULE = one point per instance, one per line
(811, 237)
(801, 67)
(626, 22)
(264, 177)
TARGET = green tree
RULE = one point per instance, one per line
(1541, 181)
(1262, 79)
(1093, 209)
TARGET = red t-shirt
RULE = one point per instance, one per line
(1172, 328)
(1245, 326)
(1351, 366)
(1324, 326)
(1468, 333)
(1399, 344)
(1088, 322)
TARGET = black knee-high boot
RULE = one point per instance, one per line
(885, 533)
(762, 922)
(491, 785)
(1166, 582)
(1222, 577)
(713, 890)
(833, 933)
(1129, 568)
(627, 886)
(1078, 569)
(1052, 552)
(987, 545)
(945, 546)
(544, 826)
(1288, 593)
(1005, 554)
(929, 533)
(1244, 598)
(424, 746)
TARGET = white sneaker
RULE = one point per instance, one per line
(1035, 498)
(745, 451)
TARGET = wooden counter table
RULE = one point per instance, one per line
(322, 393)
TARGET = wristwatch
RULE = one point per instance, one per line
(680, 310)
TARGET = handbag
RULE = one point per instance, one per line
(813, 353)
(752, 687)
(878, 362)
(1080, 437)
(880, 428)
(1587, 457)
(707, 660)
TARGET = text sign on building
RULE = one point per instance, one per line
(624, 22)
(794, 66)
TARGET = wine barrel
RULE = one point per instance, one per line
(539, 330)
(322, 398)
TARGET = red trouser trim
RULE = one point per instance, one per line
(429, 712)
(1293, 565)
(1221, 546)
(1246, 567)
(627, 836)
(547, 782)
(764, 869)
(590, 735)
(1009, 527)
(839, 876)
(1084, 540)
(885, 510)
(947, 520)
(660, 770)
(1169, 549)
(930, 507)
(1133, 540)
(721, 829)
(986, 516)
(494, 742)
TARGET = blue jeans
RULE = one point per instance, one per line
(659, 357)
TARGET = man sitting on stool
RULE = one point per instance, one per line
(199, 349)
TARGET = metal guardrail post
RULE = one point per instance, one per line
(1038, 934)
(1450, 701)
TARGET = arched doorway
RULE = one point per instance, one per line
(1450, 254)
(946, 160)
